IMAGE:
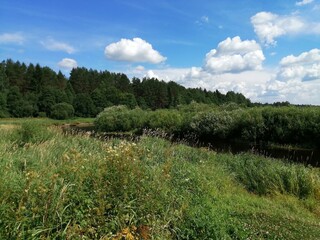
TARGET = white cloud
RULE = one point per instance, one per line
(304, 67)
(17, 38)
(151, 74)
(234, 55)
(136, 50)
(306, 57)
(168, 74)
(269, 26)
(68, 63)
(304, 2)
(54, 45)
(205, 19)
(258, 85)
(290, 82)
(235, 65)
(294, 91)
(140, 68)
(250, 83)
(297, 78)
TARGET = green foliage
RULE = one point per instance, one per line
(169, 121)
(214, 124)
(128, 100)
(17, 106)
(62, 111)
(4, 114)
(42, 114)
(30, 133)
(268, 176)
(120, 118)
(3, 106)
(251, 126)
(46, 100)
(283, 125)
(77, 187)
(3, 77)
(83, 105)
(38, 88)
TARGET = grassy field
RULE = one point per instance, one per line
(43, 121)
(59, 186)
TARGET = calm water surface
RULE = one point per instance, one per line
(299, 155)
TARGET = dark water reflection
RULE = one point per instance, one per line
(299, 155)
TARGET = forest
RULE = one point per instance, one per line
(36, 91)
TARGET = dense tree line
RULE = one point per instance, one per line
(32, 90)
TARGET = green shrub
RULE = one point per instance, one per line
(30, 132)
(250, 125)
(283, 125)
(4, 114)
(299, 125)
(42, 114)
(167, 120)
(62, 111)
(120, 118)
(215, 123)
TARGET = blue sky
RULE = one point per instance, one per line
(267, 50)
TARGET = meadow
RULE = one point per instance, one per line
(56, 185)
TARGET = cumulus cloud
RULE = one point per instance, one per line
(291, 81)
(305, 67)
(269, 26)
(305, 57)
(235, 65)
(151, 74)
(250, 83)
(234, 55)
(54, 45)
(258, 85)
(140, 68)
(135, 50)
(166, 74)
(68, 63)
(297, 80)
(304, 2)
(294, 91)
(17, 38)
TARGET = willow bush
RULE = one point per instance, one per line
(283, 125)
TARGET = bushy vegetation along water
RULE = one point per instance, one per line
(59, 186)
(282, 125)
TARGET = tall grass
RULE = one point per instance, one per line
(270, 176)
(58, 186)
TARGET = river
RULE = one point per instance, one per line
(291, 154)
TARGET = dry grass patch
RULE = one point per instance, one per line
(8, 127)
